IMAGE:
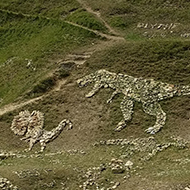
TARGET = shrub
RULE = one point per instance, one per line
(44, 85)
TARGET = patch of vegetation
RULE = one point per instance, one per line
(84, 18)
(165, 60)
(37, 39)
(62, 73)
(48, 8)
(32, 30)
(44, 85)
(125, 15)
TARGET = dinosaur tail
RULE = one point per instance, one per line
(65, 123)
(183, 90)
(55, 132)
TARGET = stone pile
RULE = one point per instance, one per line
(117, 166)
(93, 178)
(5, 184)
(147, 91)
(94, 175)
(30, 64)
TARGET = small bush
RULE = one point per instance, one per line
(44, 85)
(63, 73)
(86, 19)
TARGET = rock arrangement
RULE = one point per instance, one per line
(116, 166)
(8, 62)
(149, 146)
(5, 155)
(29, 63)
(151, 30)
(27, 173)
(147, 91)
(30, 125)
(158, 26)
(5, 184)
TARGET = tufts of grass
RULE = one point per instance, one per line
(165, 60)
(33, 38)
(48, 8)
(125, 15)
(84, 18)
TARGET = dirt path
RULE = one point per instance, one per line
(14, 106)
(112, 39)
(97, 14)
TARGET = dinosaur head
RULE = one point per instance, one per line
(69, 125)
(99, 75)
(86, 80)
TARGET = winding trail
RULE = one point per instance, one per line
(97, 14)
(13, 106)
(112, 38)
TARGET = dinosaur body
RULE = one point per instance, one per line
(31, 127)
(147, 91)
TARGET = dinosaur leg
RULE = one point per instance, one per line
(112, 96)
(31, 143)
(127, 110)
(95, 89)
(43, 145)
(155, 110)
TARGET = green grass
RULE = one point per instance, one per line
(165, 60)
(35, 30)
(35, 38)
(48, 8)
(86, 19)
(125, 15)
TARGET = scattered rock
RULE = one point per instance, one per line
(149, 146)
(116, 185)
(129, 164)
(5, 184)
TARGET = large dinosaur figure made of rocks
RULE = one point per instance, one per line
(147, 91)
(30, 125)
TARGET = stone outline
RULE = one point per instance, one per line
(147, 91)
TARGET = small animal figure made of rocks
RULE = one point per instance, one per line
(30, 126)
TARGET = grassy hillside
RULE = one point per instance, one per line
(35, 38)
(43, 53)
(154, 17)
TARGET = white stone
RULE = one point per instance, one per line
(129, 164)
